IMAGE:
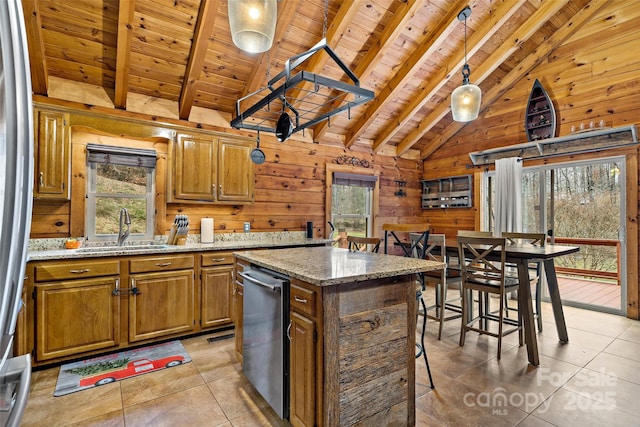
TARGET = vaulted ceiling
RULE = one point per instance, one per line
(408, 52)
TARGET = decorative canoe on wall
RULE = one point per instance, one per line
(540, 118)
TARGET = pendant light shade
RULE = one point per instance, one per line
(253, 24)
(465, 99)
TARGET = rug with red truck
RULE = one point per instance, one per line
(106, 369)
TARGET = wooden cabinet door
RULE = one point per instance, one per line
(217, 309)
(162, 304)
(195, 158)
(235, 171)
(52, 145)
(76, 316)
(302, 371)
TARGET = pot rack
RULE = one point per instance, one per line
(291, 94)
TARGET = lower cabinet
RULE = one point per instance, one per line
(216, 278)
(304, 355)
(92, 305)
(76, 316)
(76, 309)
(162, 284)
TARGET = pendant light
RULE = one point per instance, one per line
(253, 24)
(465, 99)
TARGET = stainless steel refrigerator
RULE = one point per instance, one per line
(16, 180)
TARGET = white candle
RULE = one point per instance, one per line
(206, 230)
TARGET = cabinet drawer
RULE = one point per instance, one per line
(216, 258)
(75, 270)
(303, 300)
(160, 263)
(240, 266)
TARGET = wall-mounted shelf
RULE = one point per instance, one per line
(540, 117)
(452, 192)
(575, 143)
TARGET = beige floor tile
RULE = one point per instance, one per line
(566, 408)
(590, 340)
(192, 407)
(45, 410)
(109, 419)
(607, 388)
(236, 396)
(623, 348)
(218, 360)
(454, 403)
(621, 367)
(532, 421)
(548, 345)
(632, 333)
(525, 386)
(164, 382)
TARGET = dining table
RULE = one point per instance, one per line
(521, 254)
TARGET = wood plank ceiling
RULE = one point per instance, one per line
(409, 52)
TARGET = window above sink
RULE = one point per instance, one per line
(119, 177)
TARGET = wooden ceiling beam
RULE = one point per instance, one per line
(257, 77)
(396, 26)
(204, 27)
(531, 61)
(406, 72)
(498, 18)
(37, 57)
(512, 43)
(126, 9)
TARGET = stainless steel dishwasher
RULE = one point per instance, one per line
(265, 349)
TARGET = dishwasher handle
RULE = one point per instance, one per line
(273, 288)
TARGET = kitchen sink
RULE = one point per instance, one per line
(125, 248)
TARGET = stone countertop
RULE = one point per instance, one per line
(161, 249)
(326, 266)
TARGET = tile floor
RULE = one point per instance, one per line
(593, 380)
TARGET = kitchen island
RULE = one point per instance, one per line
(352, 329)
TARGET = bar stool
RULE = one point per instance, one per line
(362, 244)
(418, 247)
(441, 279)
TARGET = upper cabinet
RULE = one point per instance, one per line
(235, 170)
(52, 145)
(208, 168)
(194, 166)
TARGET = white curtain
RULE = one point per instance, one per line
(508, 206)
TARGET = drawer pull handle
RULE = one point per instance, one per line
(296, 298)
(217, 259)
(163, 264)
(82, 270)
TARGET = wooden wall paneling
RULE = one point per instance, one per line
(50, 219)
(632, 197)
(78, 188)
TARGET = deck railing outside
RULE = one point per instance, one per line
(597, 258)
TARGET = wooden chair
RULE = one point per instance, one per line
(363, 244)
(535, 269)
(474, 233)
(482, 272)
(441, 279)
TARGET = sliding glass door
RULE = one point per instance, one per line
(579, 204)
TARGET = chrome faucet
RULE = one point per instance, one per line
(125, 219)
